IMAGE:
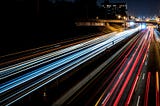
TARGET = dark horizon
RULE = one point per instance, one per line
(140, 7)
(146, 8)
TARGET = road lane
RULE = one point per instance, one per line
(55, 69)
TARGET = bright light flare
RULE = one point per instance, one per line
(131, 23)
(119, 16)
(157, 19)
(143, 26)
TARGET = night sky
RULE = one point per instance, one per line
(140, 7)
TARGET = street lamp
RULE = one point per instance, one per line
(119, 16)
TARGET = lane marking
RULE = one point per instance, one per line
(138, 100)
(143, 76)
(146, 63)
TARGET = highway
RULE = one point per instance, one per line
(23, 78)
(119, 68)
(129, 77)
(116, 76)
(140, 85)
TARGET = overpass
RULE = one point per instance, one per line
(102, 22)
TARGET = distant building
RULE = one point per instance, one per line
(115, 10)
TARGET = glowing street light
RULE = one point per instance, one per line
(132, 17)
(157, 19)
(147, 19)
(119, 16)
